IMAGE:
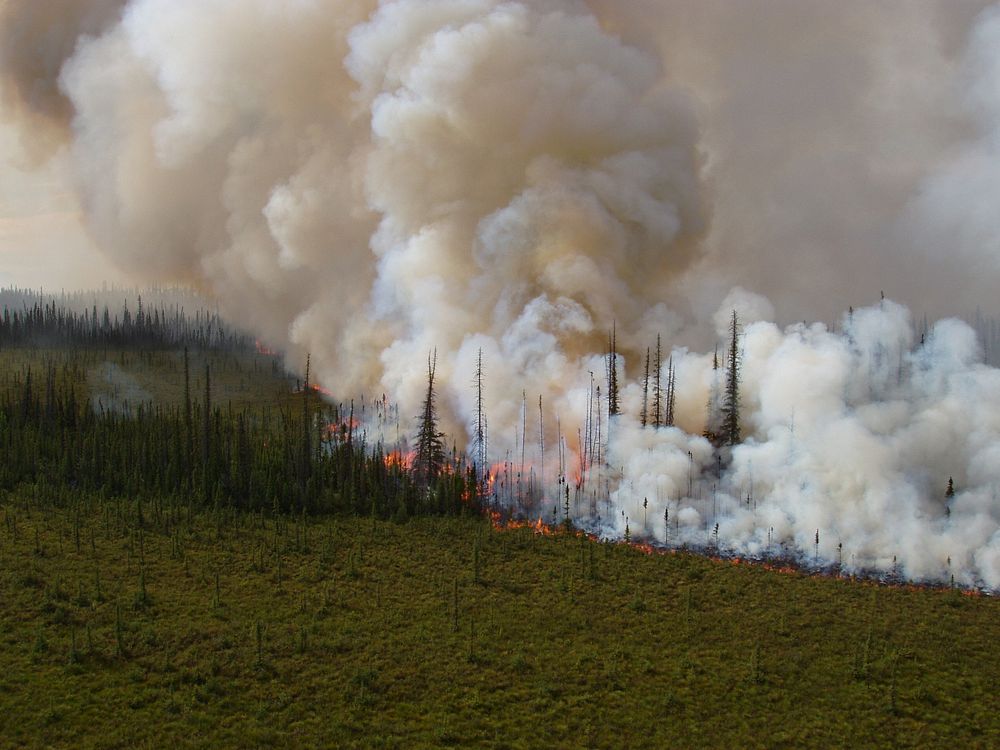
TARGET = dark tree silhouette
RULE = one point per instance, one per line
(668, 418)
(429, 460)
(657, 388)
(711, 432)
(731, 404)
(479, 438)
(613, 407)
(305, 465)
(645, 392)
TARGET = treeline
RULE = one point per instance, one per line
(988, 331)
(154, 320)
(309, 458)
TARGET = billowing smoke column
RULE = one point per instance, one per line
(368, 181)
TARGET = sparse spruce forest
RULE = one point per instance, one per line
(199, 549)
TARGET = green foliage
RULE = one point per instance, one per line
(693, 652)
(429, 461)
(69, 434)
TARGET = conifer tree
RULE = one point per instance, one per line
(711, 432)
(613, 408)
(206, 424)
(479, 439)
(429, 460)
(731, 404)
(657, 389)
(668, 419)
(645, 392)
(306, 457)
(188, 419)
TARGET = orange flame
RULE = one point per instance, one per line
(339, 430)
(543, 529)
(263, 350)
(398, 460)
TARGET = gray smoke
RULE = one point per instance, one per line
(36, 39)
(367, 181)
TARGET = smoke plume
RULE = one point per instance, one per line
(368, 181)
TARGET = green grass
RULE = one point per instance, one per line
(246, 632)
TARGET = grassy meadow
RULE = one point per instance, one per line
(131, 626)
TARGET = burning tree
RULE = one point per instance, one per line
(430, 458)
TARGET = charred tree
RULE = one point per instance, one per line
(644, 417)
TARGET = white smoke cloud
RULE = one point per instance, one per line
(370, 181)
(852, 434)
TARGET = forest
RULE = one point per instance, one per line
(293, 454)
(199, 548)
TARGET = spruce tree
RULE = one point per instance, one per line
(731, 404)
(479, 438)
(206, 433)
(657, 389)
(306, 457)
(668, 419)
(429, 460)
(711, 432)
(645, 392)
(188, 422)
(613, 408)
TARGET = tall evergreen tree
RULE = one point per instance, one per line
(479, 438)
(657, 388)
(645, 392)
(613, 407)
(712, 431)
(731, 404)
(429, 460)
(668, 419)
(206, 432)
(306, 457)
(188, 418)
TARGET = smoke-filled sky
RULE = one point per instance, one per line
(844, 148)
(368, 181)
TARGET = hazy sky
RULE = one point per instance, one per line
(42, 239)
(846, 147)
